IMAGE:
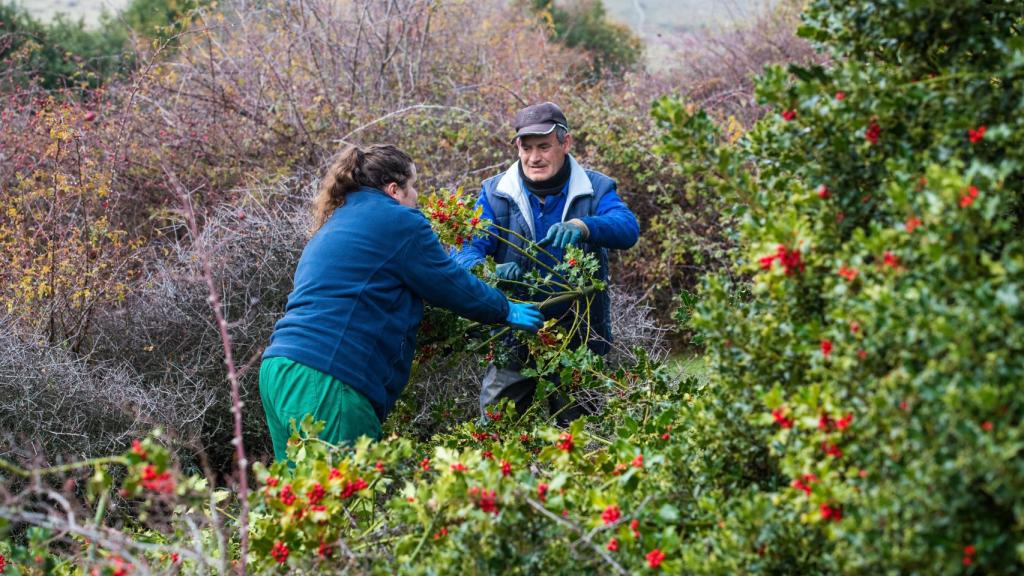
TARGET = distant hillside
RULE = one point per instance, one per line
(664, 23)
(651, 17)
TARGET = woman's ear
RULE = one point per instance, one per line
(392, 189)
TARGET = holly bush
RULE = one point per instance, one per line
(876, 346)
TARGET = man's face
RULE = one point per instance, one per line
(542, 156)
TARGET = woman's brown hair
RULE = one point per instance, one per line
(355, 167)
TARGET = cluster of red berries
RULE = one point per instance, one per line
(976, 134)
(159, 482)
(352, 487)
(611, 514)
(486, 500)
(873, 132)
(789, 259)
(779, 416)
(565, 442)
(969, 196)
(830, 512)
(454, 222)
(827, 423)
(279, 551)
(848, 272)
(655, 558)
(969, 550)
(804, 483)
(151, 477)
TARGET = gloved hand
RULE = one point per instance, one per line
(524, 317)
(563, 234)
(509, 271)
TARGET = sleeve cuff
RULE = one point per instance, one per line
(582, 225)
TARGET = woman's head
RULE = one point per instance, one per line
(381, 166)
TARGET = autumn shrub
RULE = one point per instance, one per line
(717, 67)
(66, 253)
(256, 94)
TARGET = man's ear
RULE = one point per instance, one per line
(568, 142)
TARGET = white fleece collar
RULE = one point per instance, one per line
(511, 186)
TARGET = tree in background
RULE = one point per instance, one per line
(613, 47)
(66, 53)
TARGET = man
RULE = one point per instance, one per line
(547, 196)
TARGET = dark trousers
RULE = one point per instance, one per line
(509, 382)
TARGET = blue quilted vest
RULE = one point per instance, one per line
(508, 200)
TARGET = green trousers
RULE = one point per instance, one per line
(290, 390)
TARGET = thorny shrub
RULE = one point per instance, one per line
(54, 403)
(65, 255)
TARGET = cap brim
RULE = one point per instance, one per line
(537, 129)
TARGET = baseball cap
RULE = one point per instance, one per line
(539, 119)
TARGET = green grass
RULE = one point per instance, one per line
(688, 364)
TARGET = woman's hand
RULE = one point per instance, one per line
(524, 317)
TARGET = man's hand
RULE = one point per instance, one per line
(509, 271)
(564, 234)
(524, 317)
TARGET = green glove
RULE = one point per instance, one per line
(562, 235)
(509, 271)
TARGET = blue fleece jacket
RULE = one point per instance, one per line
(358, 296)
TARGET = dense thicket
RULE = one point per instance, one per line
(97, 257)
(860, 410)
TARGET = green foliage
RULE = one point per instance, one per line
(61, 54)
(682, 218)
(614, 48)
(66, 53)
(861, 411)
(875, 356)
(160, 19)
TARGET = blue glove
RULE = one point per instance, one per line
(508, 271)
(562, 234)
(524, 317)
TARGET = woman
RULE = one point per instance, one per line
(344, 348)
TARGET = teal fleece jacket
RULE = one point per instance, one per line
(358, 296)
